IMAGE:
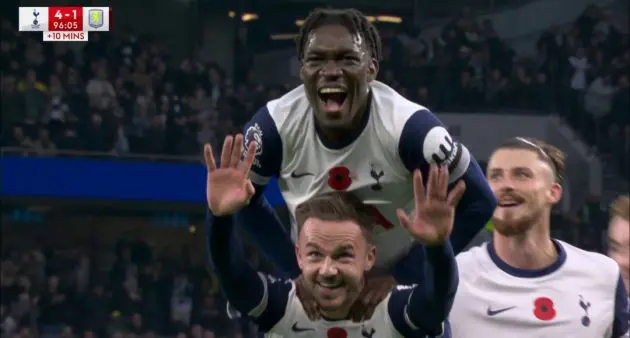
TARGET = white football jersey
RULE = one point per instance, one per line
(281, 315)
(376, 165)
(581, 295)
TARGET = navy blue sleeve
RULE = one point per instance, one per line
(422, 308)
(262, 129)
(410, 270)
(258, 219)
(622, 311)
(261, 297)
(425, 140)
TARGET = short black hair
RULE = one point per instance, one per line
(546, 152)
(355, 21)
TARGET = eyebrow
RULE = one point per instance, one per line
(340, 248)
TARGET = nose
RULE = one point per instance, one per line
(331, 69)
(328, 268)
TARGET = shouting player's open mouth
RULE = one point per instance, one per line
(332, 99)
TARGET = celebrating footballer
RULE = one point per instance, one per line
(335, 249)
(342, 130)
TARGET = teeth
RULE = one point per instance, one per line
(330, 285)
(331, 90)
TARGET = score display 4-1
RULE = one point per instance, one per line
(65, 18)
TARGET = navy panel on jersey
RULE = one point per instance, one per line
(277, 297)
(622, 310)
(262, 129)
(425, 140)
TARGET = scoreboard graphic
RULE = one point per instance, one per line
(66, 23)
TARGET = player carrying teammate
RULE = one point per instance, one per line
(334, 251)
(344, 131)
(524, 283)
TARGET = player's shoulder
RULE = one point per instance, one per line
(597, 263)
(289, 109)
(393, 108)
(473, 261)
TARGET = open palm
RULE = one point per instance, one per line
(432, 220)
(228, 188)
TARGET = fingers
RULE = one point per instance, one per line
(418, 187)
(250, 156)
(432, 181)
(235, 158)
(209, 157)
(250, 188)
(403, 218)
(437, 184)
(443, 182)
(456, 193)
(226, 153)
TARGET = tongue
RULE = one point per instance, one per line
(332, 105)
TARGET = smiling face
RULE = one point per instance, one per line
(336, 69)
(525, 187)
(334, 257)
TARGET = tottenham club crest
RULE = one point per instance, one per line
(254, 133)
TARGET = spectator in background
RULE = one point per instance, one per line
(100, 91)
(34, 96)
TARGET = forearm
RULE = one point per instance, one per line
(240, 282)
(474, 209)
(431, 301)
(265, 227)
(410, 269)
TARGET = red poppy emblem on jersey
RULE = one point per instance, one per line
(543, 308)
(339, 178)
(337, 332)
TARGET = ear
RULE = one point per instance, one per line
(371, 257)
(302, 76)
(555, 193)
(373, 70)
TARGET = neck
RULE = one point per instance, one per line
(337, 314)
(531, 250)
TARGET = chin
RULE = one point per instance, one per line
(331, 300)
(511, 222)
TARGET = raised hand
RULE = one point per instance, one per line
(432, 220)
(228, 188)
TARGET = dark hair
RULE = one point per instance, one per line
(337, 206)
(546, 152)
(355, 21)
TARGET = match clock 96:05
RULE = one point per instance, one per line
(65, 18)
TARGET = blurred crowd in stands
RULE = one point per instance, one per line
(129, 96)
(72, 292)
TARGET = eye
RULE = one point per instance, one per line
(314, 254)
(494, 176)
(345, 256)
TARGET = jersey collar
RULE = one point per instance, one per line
(527, 273)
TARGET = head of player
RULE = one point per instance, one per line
(619, 236)
(339, 51)
(526, 177)
(334, 250)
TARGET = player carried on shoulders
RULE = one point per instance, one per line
(335, 250)
(342, 130)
